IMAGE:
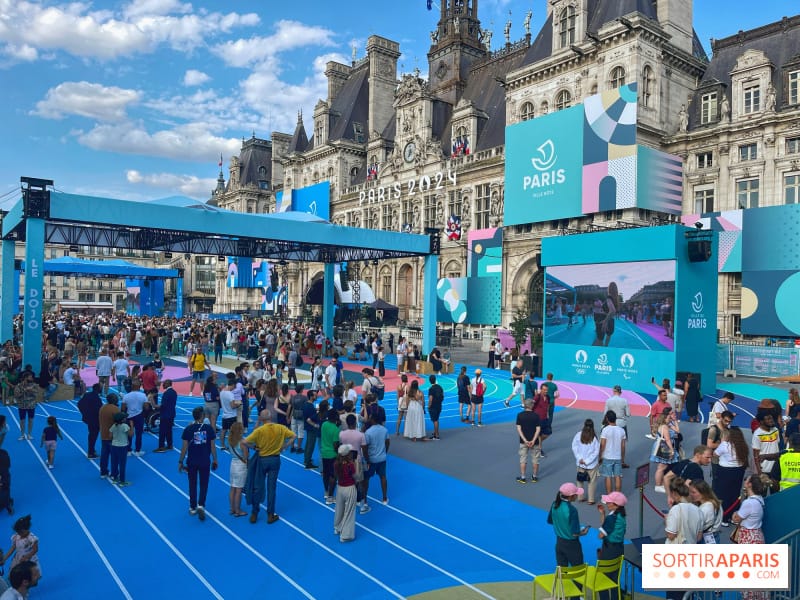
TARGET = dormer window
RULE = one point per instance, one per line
(752, 98)
(708, 107)
(794, 88)
(358, 132)
(566, 27)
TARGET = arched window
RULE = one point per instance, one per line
(353, 175)
(544, 107)
(648, 86)
(535, 298)
(526, 113)
(563, 100)
(617, 78)
(566, 27)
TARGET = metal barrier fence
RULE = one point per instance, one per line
(793, 593)
(758, 361)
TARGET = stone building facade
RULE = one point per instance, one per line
(404, 153)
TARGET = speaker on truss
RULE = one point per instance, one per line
(344, 284)
(273, 277)
(699, 250)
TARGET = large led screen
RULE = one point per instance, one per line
(628, 305)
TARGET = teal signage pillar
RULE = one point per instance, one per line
(8, 298)
(32, 304)
(328, 301)
(179, 296)
(430, 279)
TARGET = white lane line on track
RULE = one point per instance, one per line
(292, 526)
(432, 527)
(77, 517)
(155, 529)
(230, 532)
(390, 542)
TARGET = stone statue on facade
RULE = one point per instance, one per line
(683, 119)
(527, 22)
(724, 109)
(507, 31)
(770, 105)
(457, 24)
(486, 36)
(434, 37)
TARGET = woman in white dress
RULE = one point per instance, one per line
(415, 417)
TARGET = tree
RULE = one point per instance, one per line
(521, 325)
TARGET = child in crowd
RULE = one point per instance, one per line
(24, 545)
(50, 437)
(121, 433)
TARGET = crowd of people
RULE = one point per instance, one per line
(353, 441)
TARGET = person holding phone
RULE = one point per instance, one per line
(563, 516)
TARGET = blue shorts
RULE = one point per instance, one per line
(611, 467)
(25, 412)
(378, 469)
(198, 375)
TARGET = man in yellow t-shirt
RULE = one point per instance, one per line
(270, 439)
(197, 363)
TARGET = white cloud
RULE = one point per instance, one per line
(138, 8)
(194, 77)
(289, 35)
(189, 142)
(20, 53)
(75, 29)
(187, 185)
(87, 100)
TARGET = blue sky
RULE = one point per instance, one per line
(138, 99)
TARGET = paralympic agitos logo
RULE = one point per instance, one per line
(544, 162)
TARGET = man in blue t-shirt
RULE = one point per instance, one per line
(201, 456)
(374, 452)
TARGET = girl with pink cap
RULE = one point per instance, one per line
(563, 516)
(612, 529)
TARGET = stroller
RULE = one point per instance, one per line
(6, 501)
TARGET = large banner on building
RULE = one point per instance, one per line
(477, 298)
(585, 159)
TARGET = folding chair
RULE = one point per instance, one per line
(604, 576)
(562, 584)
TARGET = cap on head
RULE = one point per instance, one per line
(345, 449)
(617, 498)
(618, 389)
(570, 489)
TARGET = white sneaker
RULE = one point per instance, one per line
(329, 500)
(650, 436)
(365, 509)
(139, 453)
(22, 437)
(660, 489)
(385, 502)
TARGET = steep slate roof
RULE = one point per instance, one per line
(601, 12)
(299, 141)
(780, 41)
(350, 106)
(256, 153)
(485, 90)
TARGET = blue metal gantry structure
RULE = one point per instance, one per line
(45, 216)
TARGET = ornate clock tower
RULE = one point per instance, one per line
(456, 43)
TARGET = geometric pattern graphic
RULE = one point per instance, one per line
(475, 299)
(659, 181)
(728, 224)
(609, 135)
